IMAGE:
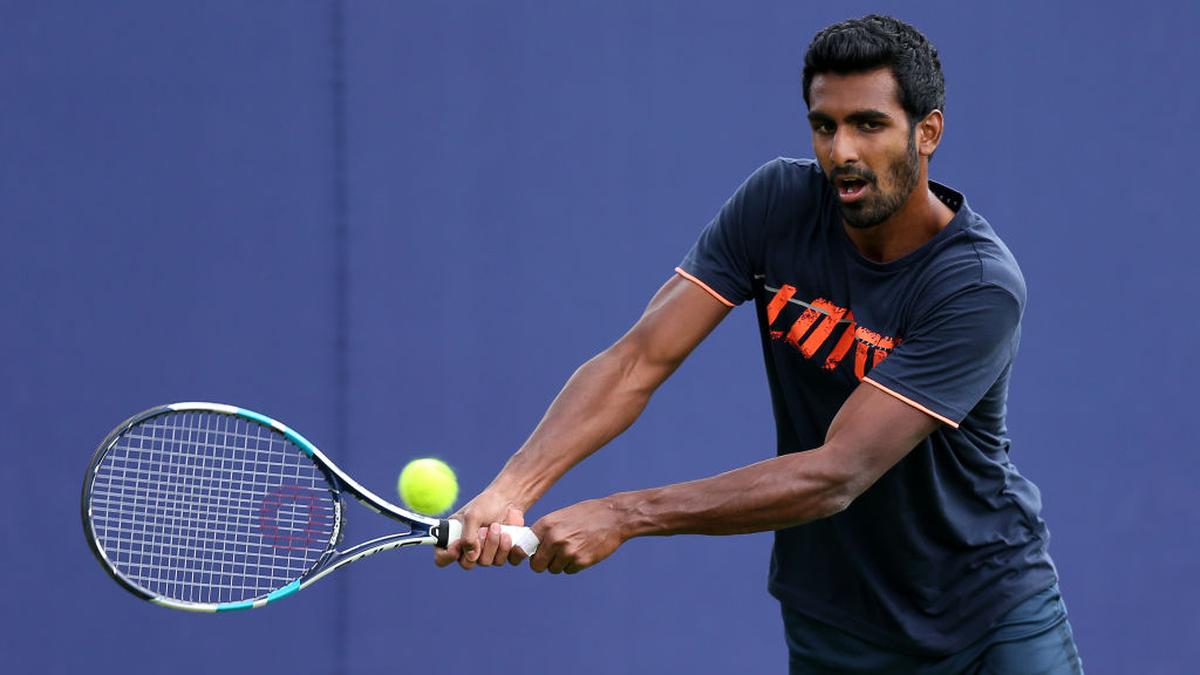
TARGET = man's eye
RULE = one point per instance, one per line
(870, 126)
(823, 129)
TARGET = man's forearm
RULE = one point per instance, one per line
(602, 399)
(606, 394)
(770, 495)
(872, 431)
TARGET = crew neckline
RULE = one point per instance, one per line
(948, 196)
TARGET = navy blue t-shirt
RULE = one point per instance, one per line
(950, 538)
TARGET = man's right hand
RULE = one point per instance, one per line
(482, 542)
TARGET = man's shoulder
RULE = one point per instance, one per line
(788, 187)
(974, 256)
(790, 171)
(997, 265)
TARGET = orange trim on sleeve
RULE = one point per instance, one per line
(701, 284)
(913, 403)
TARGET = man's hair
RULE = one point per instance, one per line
(875, 41)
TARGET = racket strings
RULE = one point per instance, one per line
(210, 508)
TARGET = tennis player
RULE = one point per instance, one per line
(906, 541)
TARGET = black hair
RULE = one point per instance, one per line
(875, 41)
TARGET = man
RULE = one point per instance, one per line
(905, 539)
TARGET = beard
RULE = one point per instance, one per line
(903, 173)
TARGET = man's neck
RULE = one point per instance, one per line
(918, 220)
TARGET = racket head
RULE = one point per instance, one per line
(209, 507)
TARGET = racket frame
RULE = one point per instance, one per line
(425, 530)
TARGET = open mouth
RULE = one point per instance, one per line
(850, 188)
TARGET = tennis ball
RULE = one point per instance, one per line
(428, 486)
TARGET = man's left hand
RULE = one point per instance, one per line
(577, 537)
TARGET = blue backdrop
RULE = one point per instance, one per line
(400, 226)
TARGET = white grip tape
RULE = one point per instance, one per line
(521, 536)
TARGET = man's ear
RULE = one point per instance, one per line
(929, 133)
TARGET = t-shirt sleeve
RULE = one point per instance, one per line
(728, 253)
(955, 353)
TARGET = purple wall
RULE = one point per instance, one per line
(516, 180)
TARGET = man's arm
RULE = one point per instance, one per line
(602, 399)
(872, 431)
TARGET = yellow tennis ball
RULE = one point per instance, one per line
(428, 486)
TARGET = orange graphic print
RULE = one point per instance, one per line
(822, 323)
(833, 314)
(776, 306)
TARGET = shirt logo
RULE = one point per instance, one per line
(822, 323)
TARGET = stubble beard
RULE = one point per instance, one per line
(904, 173)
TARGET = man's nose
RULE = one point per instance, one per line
(843, 149)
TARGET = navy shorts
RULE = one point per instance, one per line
(1034, 638)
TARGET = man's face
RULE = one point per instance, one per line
(864, 143)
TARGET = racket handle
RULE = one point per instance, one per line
(521, 536)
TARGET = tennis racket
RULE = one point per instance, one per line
(209, 508)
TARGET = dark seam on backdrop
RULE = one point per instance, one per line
(341, 304)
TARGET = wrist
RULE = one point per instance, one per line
(515, 493)
(630, 513)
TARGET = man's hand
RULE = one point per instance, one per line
(482, 542)
(577, 537)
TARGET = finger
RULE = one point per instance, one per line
(463, 560)
(516, 555)
(445, 556)
(504, 552)
(470, 545)
(574, 568)
(515, 517)
(504, 546)
(559, 563)
(491, 543)
(545, 552)
(541, 560)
